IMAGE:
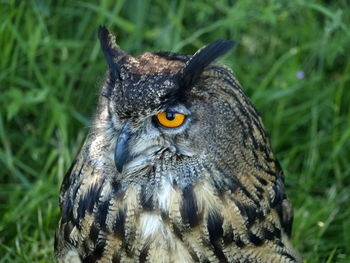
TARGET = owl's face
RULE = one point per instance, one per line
(168, 116)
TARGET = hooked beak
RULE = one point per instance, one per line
(122, 154)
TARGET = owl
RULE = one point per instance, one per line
(175, 168)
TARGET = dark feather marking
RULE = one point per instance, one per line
(193, 255)
(144, 254)
(174, 183)
(257, 241)
(279, 169)
(279, 196)
(66, 180)
(85, 247)
(189, 209)
(99, 248)
(97, 253)
(260, 215)
(94, 231)
(119, 224)
(277, 232)
(116, 186)
(286, 224)
(267, 234)
(279, 243)
(67, 228)
(195, 66)
(110, 52)
(76, 187)
(177, 232)
(102, 211)
(289, 256)
(249, 212)
(91, 258)
(67, 209)
(259, 191)
(244, 136)
(116, 258)
(215, 230)
(266, 152)
(220, 254)
(266, 170)
(228, 237)
(88, 200)
(257, 121)
(68, 202)
(256, 158)
(146, 199)
(239, 243)
(261, 180)
(164, 215)
(246, 193)
(214, 223)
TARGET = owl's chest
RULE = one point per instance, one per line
(131, 224)
(193, 223)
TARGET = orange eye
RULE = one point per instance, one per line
(170, 119)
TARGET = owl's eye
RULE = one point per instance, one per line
(170, 119)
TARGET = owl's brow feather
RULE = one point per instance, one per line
(111, 51)
(189, 75)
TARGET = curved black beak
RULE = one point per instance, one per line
(122, 153)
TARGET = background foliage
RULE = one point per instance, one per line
(292, 58)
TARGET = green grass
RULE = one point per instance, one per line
(51, 68)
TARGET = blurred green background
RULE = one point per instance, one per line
(292, 58)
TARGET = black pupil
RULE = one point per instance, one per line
(170, 116)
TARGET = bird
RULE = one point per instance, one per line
(176, 167)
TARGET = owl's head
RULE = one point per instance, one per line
(170, 115)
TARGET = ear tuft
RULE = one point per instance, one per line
(112, 52)
(190, 74)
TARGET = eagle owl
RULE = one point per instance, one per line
(176, 168)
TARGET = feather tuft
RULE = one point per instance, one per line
(190, 74)
(112, 52)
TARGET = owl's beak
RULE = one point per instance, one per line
(122, 154)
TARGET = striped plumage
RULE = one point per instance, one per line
(209, 190)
